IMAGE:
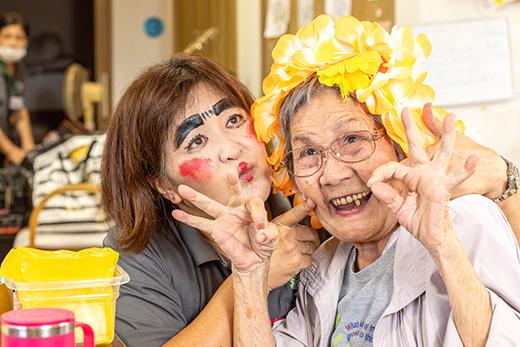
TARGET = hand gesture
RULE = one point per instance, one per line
(489, 178)
(424, 210)
(296, 243)
(243, 234)
(240, 230)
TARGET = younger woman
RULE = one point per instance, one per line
(186, 121)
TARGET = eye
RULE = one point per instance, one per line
(352, 138)
(306, 152)
(235, 120)
(196, 141)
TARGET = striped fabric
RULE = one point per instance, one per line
(75, 161)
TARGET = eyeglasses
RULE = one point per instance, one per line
(352, 147)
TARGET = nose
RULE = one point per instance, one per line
(230, 149)
(333, 170)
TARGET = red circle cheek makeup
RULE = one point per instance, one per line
(251, 131)
(197, 169)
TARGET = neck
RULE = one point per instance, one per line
(10, 68)
(369, 252)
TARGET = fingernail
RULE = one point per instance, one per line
(264, 237)
(178, 215)
(260, 226)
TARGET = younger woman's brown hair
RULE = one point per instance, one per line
(135, 141)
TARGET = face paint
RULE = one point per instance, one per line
(251, 133)
(222, 105)
(199, 170)
(196, 120)
(244, 174)
(187, 126)
(248, 176)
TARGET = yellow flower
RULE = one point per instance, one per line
(353, 73)
(298, 199)
(381, 69)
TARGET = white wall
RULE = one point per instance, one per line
(249, 45)
(494, 124)
(132, 48)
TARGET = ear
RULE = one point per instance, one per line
(166, 189)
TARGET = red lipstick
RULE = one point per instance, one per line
(244, 173)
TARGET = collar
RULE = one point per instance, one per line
(278, 204)
(410, 271)
(410, 267)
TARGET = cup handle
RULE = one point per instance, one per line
(88, 334)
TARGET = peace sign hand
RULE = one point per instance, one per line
(240, 230)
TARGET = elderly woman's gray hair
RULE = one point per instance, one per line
(303, 95)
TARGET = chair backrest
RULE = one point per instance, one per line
(66, 189)
(33, 219)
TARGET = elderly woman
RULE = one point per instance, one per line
(405, 266)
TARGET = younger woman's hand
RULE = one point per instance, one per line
(489, 178)
(296, 244)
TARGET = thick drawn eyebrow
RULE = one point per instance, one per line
(196, 120)
(192, 122)
(223, 105)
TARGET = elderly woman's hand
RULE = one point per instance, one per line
(424, 210)
(242, 233)
(240, 230)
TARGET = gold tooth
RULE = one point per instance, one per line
(351, 198)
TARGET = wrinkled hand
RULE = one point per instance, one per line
(243, 234)
(489, 178)
(240, 230)
(424, 210)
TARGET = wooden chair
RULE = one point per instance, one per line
(73, 240)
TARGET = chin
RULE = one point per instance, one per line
(261, 189)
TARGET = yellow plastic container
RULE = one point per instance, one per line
(92, 301)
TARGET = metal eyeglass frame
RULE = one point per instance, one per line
(376, 135)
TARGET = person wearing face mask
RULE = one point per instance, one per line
(16, 137)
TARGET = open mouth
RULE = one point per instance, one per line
(245, 173)
(350, 202)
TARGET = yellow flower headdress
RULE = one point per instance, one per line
(377, 67)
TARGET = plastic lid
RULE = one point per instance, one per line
(120, 277)
(31, 317)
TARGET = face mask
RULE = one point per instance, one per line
(12, 55)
